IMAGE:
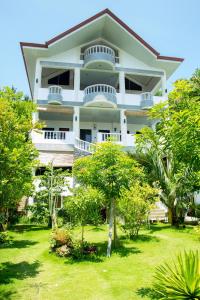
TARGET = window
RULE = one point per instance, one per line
(132, 86)
(62, 79)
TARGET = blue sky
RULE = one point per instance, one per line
(171, 27)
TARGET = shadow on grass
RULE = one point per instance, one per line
(121, 250)
(29, 227)
(141, 238)
(7, 294)
(158, 227)
(148, 292)
(96, 229)
(18, 244)
(10, 271)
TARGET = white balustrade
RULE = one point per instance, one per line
(99, 49)
(46, 136)
(84, 146)
(147, 96)
(113, 137)
(100, 88)
(55, 89)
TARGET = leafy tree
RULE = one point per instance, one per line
(171, 152)
(17, 153)
(135, 205)
(85, 206)
(109, 170)
(52, 184)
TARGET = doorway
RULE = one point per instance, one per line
(86, 135)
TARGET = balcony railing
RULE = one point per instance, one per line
(99, 53)
(146, 100)
(55, 95)
(108, 92)
(84, 146)
(47, 136)
(113, 137)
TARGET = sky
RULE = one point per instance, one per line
(171, 27)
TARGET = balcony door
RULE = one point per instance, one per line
(86, 135)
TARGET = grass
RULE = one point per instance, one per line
(28, 271)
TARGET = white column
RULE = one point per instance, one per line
(76, 82)
(123, 123)
(76, 121)
(122, 85)
(164, 85)
(37, 82)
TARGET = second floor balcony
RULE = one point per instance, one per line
(100, 57)
(100, 95)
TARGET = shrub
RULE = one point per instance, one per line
(39, 212)
(4, 238)
(61, 237)
(179, 279)
(134, 207)
(197, 229)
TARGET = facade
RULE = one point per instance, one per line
(93, 82)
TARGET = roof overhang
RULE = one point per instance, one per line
(104, 25)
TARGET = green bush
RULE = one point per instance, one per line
(61, 237)
(179, 279)
(39, 212)
(4, 238)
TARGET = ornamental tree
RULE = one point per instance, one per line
(17, 153)
(109, 170)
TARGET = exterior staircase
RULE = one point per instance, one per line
(158, 214)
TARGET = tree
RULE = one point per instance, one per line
(109, 170)
(52, 184)
(17, 153)
(171, 152)
(135, 205)
(85, 206)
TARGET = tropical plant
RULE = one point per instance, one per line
(52, 184)
(179, 279)
(134, 207)
(109, 170)
(171, 152)
(17, 153)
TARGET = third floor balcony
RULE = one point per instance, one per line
(100, 57)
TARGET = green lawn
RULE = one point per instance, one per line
(29, 271)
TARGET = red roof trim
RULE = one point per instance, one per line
(87, 21)
(170, 58)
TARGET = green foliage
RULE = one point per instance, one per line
(39, 212)
(84, 206)
(17, 153)
(197, 230)
(4, 238)
(135, 205)
(171, 153)
(52, 184)
(109, 170)
(179, 279)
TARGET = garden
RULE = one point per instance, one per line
(101, 243)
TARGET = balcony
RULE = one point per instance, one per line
(127, 140)
(146, 101)
(55, 95)
(100, 95)
(53, 140)
(99, 57)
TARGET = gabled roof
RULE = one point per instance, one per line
(59, 39)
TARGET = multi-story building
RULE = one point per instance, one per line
(93, 82)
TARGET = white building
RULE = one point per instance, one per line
(92, 82)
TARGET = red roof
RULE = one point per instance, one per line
(87, 21)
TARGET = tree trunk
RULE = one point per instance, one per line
(172, 216)
(110, 228)
(115, 224)
(82, 234)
